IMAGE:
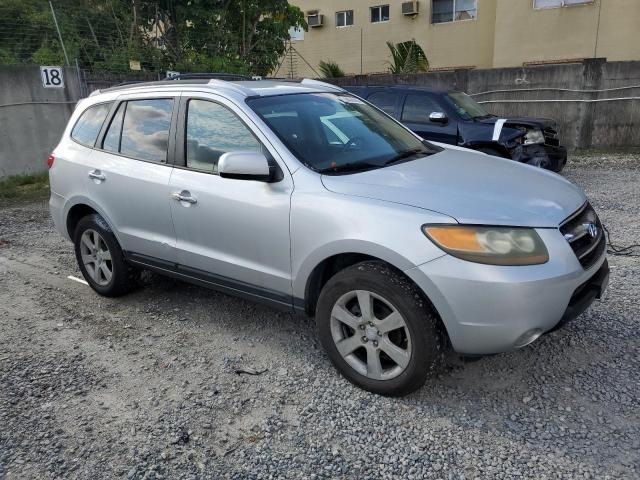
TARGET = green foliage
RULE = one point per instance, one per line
(407, 57)
(48, 56)
(21, 187)
(330, 69)
(238, 36)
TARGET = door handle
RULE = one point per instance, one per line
(97, 175)
(184, 197)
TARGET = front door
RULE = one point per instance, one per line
(415, 115)
(231, 233)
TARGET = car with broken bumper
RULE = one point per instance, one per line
(307, 198)
(453, 117)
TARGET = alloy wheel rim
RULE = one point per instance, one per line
(96, 257)
(371, 335)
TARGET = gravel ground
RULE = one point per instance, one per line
(145, 386)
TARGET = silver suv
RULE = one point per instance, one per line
(311, 199)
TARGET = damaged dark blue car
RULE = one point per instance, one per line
(453, 117)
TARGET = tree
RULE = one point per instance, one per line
(330, 69)
(407, 57)
(238, 36)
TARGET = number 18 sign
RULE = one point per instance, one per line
(52, 77)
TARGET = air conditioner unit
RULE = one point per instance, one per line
(315, 20)
(410, 8)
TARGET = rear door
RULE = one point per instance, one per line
(232, 233)
(415, 115)
(388, 101)
(128, 174)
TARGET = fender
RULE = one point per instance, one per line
(82, 200)
(300, 276)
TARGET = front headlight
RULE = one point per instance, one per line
(490, 245)
(533, 135)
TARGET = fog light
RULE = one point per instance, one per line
(527, 337)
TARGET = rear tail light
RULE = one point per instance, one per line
(50, 160)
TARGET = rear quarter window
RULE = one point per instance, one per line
(86, 129)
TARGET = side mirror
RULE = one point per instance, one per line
(246, 166)
(438, 117)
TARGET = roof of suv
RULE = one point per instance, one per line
(406, 88)
(249, 88)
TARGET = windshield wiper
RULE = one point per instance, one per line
(488, 115)
(406, 154)
(350, 167)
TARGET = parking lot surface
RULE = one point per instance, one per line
(148, 385)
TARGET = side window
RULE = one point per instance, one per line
(89, 124)
(145, 130)
(213, 129)
(385, 101)
(111, 140)
(418, 107)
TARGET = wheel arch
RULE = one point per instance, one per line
(490, 146)
(317, 270)
(79, 207)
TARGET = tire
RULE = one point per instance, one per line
(491, 151)
(419, 342)
(98, 252)
(559, 166)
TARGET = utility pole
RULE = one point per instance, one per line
(55, 20)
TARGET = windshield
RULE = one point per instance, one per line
(466, 106)
(332, 133)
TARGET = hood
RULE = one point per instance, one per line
(533, 122)
(469, 186)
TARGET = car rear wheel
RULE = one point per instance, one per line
(378, 330)
(100, 258)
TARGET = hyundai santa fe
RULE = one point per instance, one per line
(303, 196)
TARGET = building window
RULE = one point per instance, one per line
(539, 4)
(443, 11)
(344, 19)
(379, 13)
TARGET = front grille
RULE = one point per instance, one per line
(587, 242)
(551, 136)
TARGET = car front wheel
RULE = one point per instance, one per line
(378, 330)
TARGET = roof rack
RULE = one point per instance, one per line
(207, 76)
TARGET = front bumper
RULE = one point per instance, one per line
(551, 157)
(490, 309)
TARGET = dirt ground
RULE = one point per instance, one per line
(145, 386)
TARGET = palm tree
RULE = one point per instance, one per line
(330, 69)
(407, 57)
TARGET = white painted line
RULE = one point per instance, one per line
(76, 279)
(497, 128)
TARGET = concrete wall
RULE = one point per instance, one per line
(585, 119)
(505, 33)
(32, 117)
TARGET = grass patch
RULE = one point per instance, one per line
(24, 187)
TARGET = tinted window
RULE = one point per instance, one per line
(111, 140)
(417, 108)
(88, 125)
(385, 101)
(145, 132)
(212, 130)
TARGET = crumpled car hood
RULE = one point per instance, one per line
(469, 186)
